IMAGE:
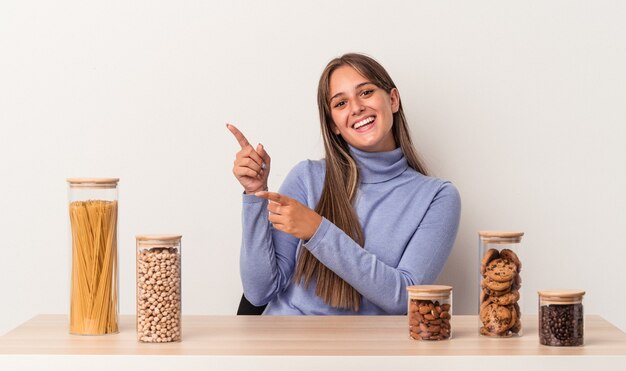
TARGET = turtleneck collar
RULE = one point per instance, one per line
(378, 167)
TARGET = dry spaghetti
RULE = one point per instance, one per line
(93, 307)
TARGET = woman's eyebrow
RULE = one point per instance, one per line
(355, 88)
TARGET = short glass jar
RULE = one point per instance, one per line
(429, 312)
(159, 288)
(561, 317)
(500, 282)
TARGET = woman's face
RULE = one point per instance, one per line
(362, 112)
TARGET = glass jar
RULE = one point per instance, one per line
(429, 312)
(561, 318)
(158, 288)
(500, 266)
(94, 306)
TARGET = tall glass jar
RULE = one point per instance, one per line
(429, 312)
(158, 288)
(500, 266)
(561, 317)
(94, 306)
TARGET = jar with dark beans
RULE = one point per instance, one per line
(429, 312)
(561, 318)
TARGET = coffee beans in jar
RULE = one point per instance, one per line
(158, 289)
(429, 312)
(561, 317)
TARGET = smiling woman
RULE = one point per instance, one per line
(346, 234)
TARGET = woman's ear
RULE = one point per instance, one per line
(394, 95)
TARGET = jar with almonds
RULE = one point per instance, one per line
(429, 312)
(500, 279)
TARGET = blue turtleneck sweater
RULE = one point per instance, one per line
(409, 220)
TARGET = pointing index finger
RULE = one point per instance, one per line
(243, 142)
(273, 196)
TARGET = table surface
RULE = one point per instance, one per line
(303, 336)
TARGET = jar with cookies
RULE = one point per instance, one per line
(429, 312)
(500, 280)
(159, 288)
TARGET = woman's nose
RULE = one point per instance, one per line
(357, 108)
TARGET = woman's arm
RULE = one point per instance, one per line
(383, 285)
(268, 256)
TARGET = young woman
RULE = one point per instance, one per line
(347, 234)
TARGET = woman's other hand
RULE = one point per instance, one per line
(252, 165)
(290, 216)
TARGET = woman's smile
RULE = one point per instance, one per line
(365, 124)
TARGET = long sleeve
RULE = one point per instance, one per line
(421, 262)
(267, 257)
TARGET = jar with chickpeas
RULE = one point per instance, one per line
(159, 288)
(429, 312)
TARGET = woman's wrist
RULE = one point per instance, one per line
(253, 192)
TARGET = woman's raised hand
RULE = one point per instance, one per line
(251, 166)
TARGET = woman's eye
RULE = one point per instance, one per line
(340, 104)
(367, 92)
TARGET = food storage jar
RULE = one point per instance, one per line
(561, 320)
(93, 285)
(158, 288)
(429, 312)
(500, 266)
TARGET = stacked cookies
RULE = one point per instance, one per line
(499, 311)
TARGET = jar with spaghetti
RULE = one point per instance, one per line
(94, 306)
(561, 318)
(158, 288)
(500, 282)
(429, 312)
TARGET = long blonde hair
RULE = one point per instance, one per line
(342, 181)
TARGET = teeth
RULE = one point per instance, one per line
(363, 122)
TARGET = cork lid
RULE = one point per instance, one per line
(158, 237)
(500, 236)
(561, 296)
(429, 291)
(93, 182)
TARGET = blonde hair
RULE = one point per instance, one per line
(342, 181)
(93, 306)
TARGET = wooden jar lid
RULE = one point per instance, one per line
(158, 237)
(561, 296)
(429, 291)
(501, 236)
(93, 182)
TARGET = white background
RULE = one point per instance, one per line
(520, 103)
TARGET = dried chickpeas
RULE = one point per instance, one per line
(158, 295)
